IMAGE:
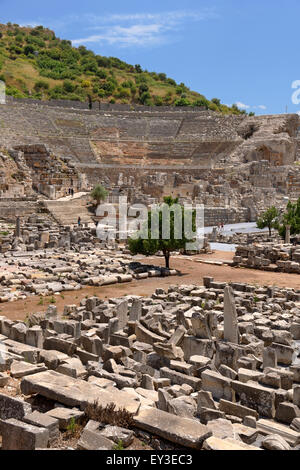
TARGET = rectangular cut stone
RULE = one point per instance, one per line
(234, 409)
(64, 416)
(146, 336)
(245, 375)
(13, 407)
(42, 420)
(215, 443)
(182, 431)
(20, 369)
(91, 440)
(284, 353)
(261, 399)
(267, 427)
(17, 435)
(193, 346)
(29, 353)
(179, 379)
(231, 332)
(217, 384)
(59, 344)
(75, 392)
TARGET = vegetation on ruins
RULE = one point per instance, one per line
(109, 415)
(72, 426)
(119, 446)
(291, 217)
(268, 219)
(157, 240)
(34, 63)
(99, 194)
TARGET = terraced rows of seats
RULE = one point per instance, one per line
(120, 137)
(67, 212)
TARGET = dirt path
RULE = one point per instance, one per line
(192, 273)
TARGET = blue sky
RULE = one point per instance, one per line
(243, 52)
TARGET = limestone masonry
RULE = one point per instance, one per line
(208, 366)
(213, 367)
(235, 165)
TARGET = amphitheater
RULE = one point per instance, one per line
(235, 165)
(101, 351)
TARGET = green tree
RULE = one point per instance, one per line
(202, 102)
(268, 219)
(99, 193)
(170, 236)
(216, 101)
(182, 102)
(291, 217)
(41, 85)
(28, 50)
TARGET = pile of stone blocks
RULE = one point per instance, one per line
(269, 257)
(213, 367)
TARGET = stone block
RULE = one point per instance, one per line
(11, 407)
(17, 435)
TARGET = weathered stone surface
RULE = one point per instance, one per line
(182, 431)
(11, 407)
(221, 428)
(117, 434)
(20, 369)
(275, 442)
(146, 336)
(236, 409)
(74, 392)
(267, 428)
(4, 378)
(17, 435)
(231, 333)
(42, 420)
(64, 416)
(179, 378)
(91, 439)
(286, 412)
(261, 399)
(247, 434)
(215, 443)
(219, 386)
(52, 358)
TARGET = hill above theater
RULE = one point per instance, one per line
(34, 63)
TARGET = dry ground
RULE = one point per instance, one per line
(192, 273)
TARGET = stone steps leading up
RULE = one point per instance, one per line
(67, 212)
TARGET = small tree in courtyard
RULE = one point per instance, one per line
(291, 217)
(166, 235)
(99, 194)
(268, 219)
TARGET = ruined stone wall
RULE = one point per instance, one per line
(151, 137)
(148, 136)
(269, 257)
(10, 208)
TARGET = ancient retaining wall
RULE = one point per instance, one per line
(192, 138)
(269, 257)
(10, 208)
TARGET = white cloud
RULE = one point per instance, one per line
(262, 106)
(132, 35)
(139, 29)
(163, 17)
(242, 105)
(30, 24)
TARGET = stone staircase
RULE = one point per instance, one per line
(66, 212)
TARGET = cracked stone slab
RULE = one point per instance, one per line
(75, 392)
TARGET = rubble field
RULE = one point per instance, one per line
(212, 367)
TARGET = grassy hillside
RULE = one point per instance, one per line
(35, 63)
